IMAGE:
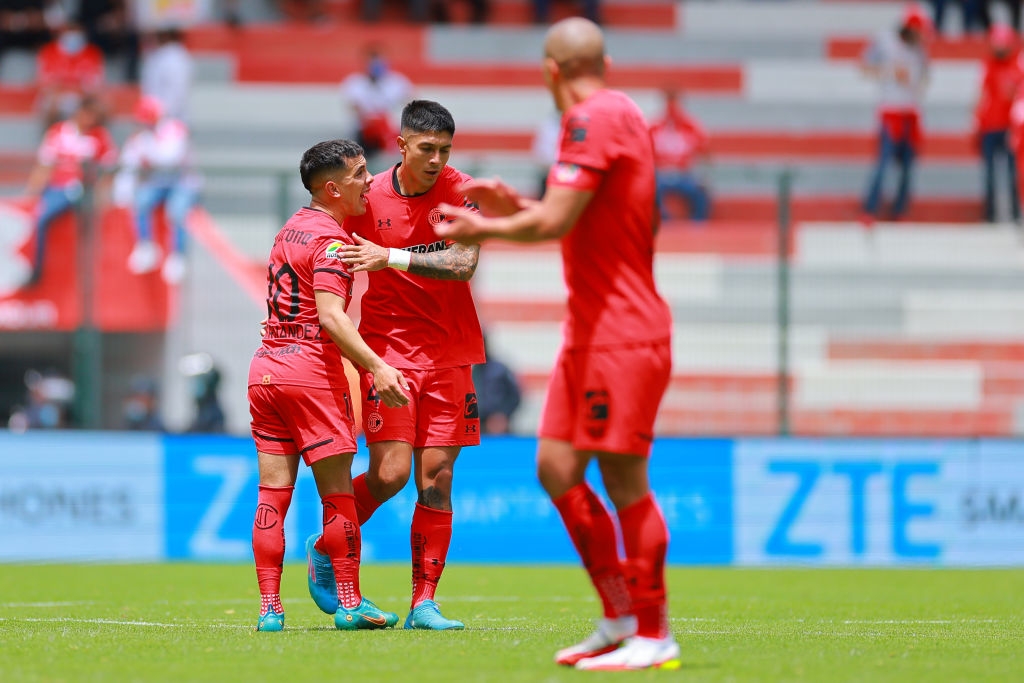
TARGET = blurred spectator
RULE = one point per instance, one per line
(46, 404)
(374, 94)
(973, 14)
(545, 148)
(70, 157)
(156, 170)
(68, 69)
(1013, 9)
(23, 24)
(542, 10)
(899, 62)
(167, 72)
(497, 393)
(1003, 77)
(141, 411)
(679, 140)
(205, 378)
(110, 25)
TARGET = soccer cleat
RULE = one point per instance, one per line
(636, 653)
(174, 269)
(427, 616)
(145, 257)
(365, 616)
(271, 621)
(609, 634)
(322, 586)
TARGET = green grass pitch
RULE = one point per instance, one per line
(194, 622)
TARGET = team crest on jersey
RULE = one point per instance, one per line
(435, 217)
(566, 173)
(374, 422)
(334, 250)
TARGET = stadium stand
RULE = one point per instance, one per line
(913, 328)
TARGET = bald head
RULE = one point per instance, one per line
(577, 46)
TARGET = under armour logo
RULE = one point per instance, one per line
(383, 222)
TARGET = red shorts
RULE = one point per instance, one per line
(442, 410)
(311, 421)
(607, 399)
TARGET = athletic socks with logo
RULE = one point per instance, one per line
(429, 538)
(341, 541)
(268, 541)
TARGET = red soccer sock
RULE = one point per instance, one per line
(645, 537)
(343, 544)
(592, 531)
(268, 542)
(366, 504)
(430, 537)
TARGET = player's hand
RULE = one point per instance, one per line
(492, 196)
(364, 255)
(463, 225)
(391, 386)
(263, 327)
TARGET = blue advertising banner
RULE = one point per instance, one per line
(501, 512)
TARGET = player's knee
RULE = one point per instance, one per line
(387, 481)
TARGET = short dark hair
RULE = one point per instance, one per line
(326, 157)
(426, 116)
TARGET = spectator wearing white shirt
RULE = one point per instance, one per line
(156, 170)
(899, 62)
(167, 73)
(374, 94)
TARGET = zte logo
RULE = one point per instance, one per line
(383, 222)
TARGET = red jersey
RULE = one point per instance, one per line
(305, 257)
(410, 321)
(677, 139)
(1002, 77)
(65, 148)
(65, 71)
(608, 256)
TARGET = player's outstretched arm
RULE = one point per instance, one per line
(458, 262)
(390, 383)
(549, 219)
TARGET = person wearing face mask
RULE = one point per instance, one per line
(373, 95)
(1003, 76)
(68, 67)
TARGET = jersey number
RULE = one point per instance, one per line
(276, 290)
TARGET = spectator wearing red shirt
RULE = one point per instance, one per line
(69, 68)
(66, 157)
(678, 140)
(1003, 75)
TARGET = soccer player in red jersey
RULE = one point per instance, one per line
(298, 392)
(600, 201)
(418, 314)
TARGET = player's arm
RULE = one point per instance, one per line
(549, 219)
(458, 262)
(389, 382)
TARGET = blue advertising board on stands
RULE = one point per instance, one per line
(74, 496)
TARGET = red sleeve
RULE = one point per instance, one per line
(585, 141)
(329, 273)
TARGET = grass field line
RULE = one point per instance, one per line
(121, 622)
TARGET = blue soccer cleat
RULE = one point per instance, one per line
(427, 616)
(364, 616)
(322, 586)
(271, 621)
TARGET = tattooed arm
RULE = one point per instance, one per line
(457, 262)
